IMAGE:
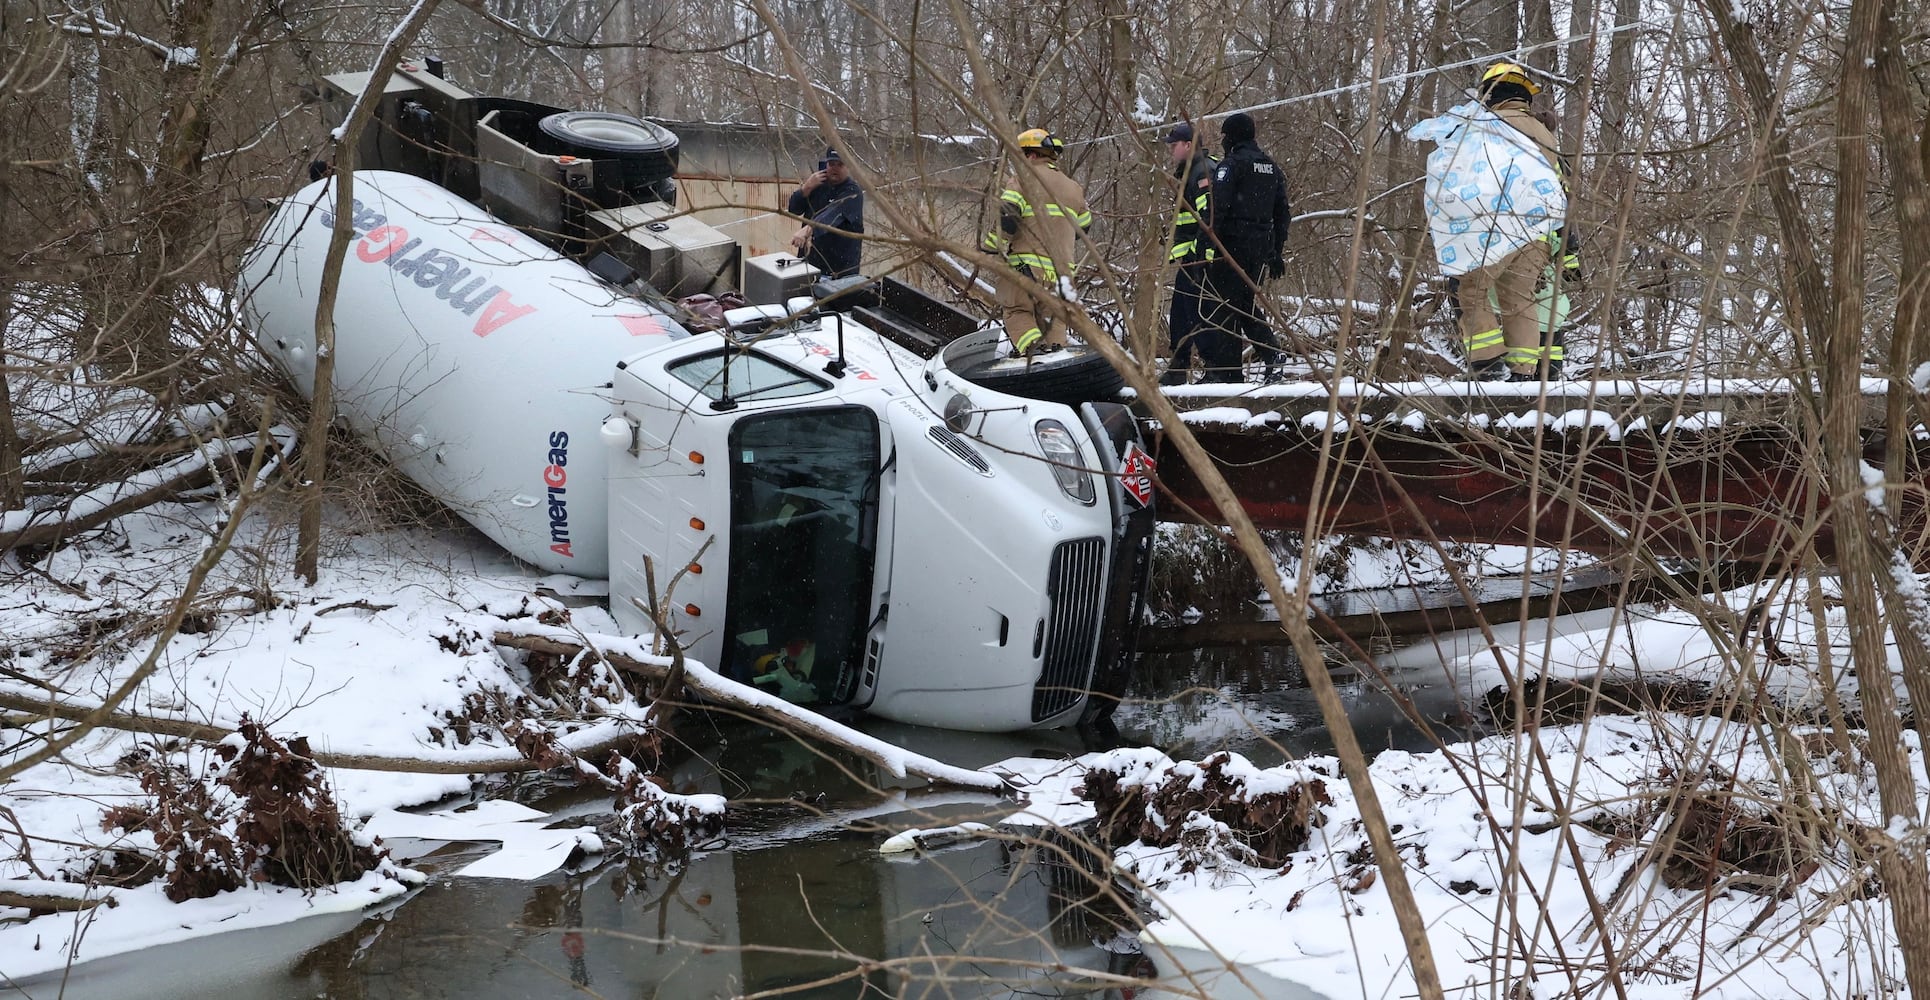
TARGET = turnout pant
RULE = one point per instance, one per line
(1499, 318)
(1023, 325)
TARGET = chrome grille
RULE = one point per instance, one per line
(1077, 590)
(960, 449)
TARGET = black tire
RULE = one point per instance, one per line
(603, 134)
(1069, 376)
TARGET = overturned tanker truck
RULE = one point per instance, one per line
(862, 505)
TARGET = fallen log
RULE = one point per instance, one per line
(50, 897)
(591, 743)
(1417, 621)
(104, 503)
(719, 690)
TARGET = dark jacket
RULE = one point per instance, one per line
(1190, 242)
(1249, 211)
(832, 207)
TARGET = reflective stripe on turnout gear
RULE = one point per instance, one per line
(1485, 339)
(1027, 339)
(1054, 209)
(1040, 266)
(1531, 355)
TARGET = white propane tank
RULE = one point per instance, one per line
(472, 356)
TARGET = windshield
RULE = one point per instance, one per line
(804, 517)
(752, 376)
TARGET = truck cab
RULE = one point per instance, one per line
(839, 493)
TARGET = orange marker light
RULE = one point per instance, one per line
(697, 568)
(693, 610)
(696, 458)
(696, 524)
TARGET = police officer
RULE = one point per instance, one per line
(1041, 213)
(1192, 249)
(1248, 217)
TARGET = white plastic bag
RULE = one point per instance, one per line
(1489, 190)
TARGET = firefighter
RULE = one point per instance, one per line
(1511, 310)
(1192, 250)
(1248, 216)
(1041, 213)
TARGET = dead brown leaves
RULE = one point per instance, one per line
(265, 814)
(1268, 825)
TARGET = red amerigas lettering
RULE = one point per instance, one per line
(500, 312)
(381, 243)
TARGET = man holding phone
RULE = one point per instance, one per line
(833, 209)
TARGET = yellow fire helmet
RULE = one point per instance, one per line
(1507, 72)
(1041, 140)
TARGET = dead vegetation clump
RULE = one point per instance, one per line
(654, 823)
(264, 815)
(290, 830)
(1557, 701)
(198, 854)
(582, 680)
(1206, 807)
(1718, 838)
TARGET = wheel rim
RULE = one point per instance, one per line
(610, 130)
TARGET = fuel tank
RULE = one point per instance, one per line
(474, 358)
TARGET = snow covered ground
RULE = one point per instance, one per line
(386, 656)
(1510, 845)
(1505, 839)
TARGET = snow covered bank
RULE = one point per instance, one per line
(1678, 830)
(388, 656)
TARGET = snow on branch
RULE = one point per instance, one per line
(106, 502)
(94, 27)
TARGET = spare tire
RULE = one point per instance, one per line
(647, 148)
(1075, 375)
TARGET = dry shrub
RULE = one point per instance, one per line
(288, 826)
(190, 832)
(1210, 806)
(266, 816)
(1196, 567)
(1717, 837)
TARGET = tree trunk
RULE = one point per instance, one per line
(13, 486)
(1900, 860)
(1391, 360)
(1799, 244)
(308, 540)
(1142, 200)
(1538, 32)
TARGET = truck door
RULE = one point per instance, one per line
(803, 542)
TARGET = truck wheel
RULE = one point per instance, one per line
(1077, 375)
(649, 145)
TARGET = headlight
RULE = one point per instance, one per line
(1068, 465)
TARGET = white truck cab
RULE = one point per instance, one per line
(846, 498)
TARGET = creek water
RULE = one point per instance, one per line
(797, 900)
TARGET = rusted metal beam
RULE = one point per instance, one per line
(1727, 495)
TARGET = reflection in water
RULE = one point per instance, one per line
(798, 904)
